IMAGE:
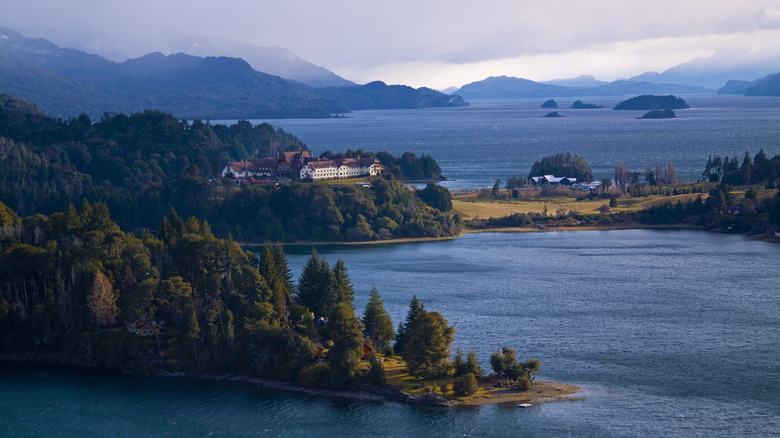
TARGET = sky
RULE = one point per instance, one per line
(430, 43)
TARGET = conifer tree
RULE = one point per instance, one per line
(377, 321)
(267, 264)
(346, 333)
(283, 270)
(376, 372)
(416, 308)
(314, 285)
(341, 290)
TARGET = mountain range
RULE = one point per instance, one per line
(277, 61)
(714, 71)
(65, 82)
(504, 87)
(769, 85)
(272, 82)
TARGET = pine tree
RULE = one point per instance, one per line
(341, 290)
(376, 372)
(267, 264)
(314, 284)
(346, 333)
(283, 271)
(377, 321)
(416, 308)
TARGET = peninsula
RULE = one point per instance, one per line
(181, 302)
(730, 198)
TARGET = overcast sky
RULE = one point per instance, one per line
(428, 43)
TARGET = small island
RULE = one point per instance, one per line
(554, 114)
(578, 104)
(650, 102)
(659, 114)
(550, 103)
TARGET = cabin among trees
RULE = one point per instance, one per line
(142, 327)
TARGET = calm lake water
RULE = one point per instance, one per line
(669, 333)
(492, 140)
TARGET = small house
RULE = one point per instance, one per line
(143, 327)
(367, 351)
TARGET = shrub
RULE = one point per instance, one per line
(314, 376)
(376, 372)
(523, 383)
(465, 384)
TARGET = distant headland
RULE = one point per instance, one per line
(578, 104)
(651, 102)
(659, 114)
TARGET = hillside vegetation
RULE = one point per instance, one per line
(143, 164)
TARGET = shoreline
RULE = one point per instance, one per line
(465, 232)
(541, 392)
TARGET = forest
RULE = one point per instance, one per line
(140, 166)
(75, 289)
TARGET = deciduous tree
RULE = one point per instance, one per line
(427, 348)
(102, 301)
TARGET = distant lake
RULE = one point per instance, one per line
(492, 140)
(669, 333)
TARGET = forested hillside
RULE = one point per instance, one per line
(73, 285)
(143, 164)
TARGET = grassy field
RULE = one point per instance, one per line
(398, 375)
(470, 207)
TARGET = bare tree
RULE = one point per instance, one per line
(622, 176)
(102, 301)
(671, 173)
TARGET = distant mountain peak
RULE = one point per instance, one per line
(714, 71)
(579, 81)
(66, 82)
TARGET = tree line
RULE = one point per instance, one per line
(757, 170)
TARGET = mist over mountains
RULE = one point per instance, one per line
(277, 61)
(714, 71)
(222, 78)
(66, 82)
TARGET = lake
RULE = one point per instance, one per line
(492, 140)
(669, 333)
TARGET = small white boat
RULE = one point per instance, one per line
(524, 405)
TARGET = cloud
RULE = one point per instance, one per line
(608, 61)
(391, 39)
